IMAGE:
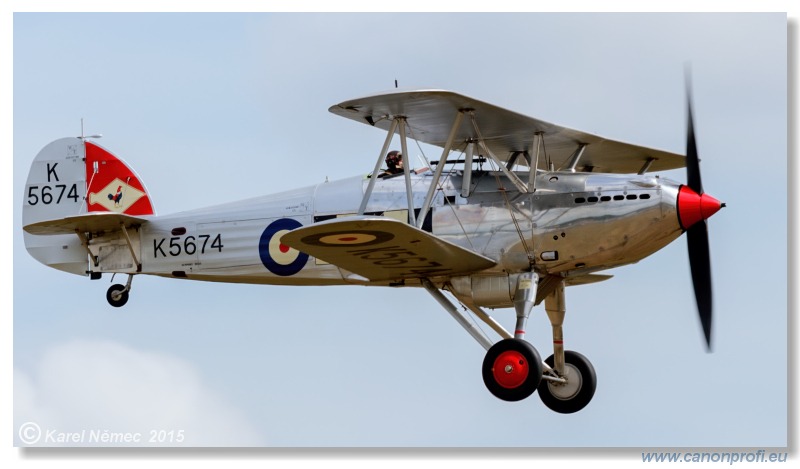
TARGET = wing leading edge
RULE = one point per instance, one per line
(430, 114)
(384, 249)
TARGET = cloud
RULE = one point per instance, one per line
(101, 393)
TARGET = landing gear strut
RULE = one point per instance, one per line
(117, 295)
(574, 380)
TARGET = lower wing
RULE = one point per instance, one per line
(380, 248)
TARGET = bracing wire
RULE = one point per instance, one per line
(503, 191)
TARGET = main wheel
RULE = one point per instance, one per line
(575, 394)
(512, 369)
(117, 295)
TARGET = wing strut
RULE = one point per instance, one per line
(538, 137)
(511, 176)
(377, 169)
(574, 158)
(646, 165)
(412, 219)
(439, 168)
(467, 180)
(397, 121)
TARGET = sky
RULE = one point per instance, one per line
(229, 106)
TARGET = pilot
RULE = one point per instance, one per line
(394, 163)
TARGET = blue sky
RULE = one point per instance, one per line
(229, 106)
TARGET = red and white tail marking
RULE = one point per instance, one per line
(111, 186)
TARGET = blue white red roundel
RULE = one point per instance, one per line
(279, 258)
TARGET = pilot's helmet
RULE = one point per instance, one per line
(393, 159)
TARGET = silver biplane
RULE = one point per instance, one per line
(524, 210)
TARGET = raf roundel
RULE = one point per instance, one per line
(279, 258)
(348, 238)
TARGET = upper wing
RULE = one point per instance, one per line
(381, 248)
(430, 114)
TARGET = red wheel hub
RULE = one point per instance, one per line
(510, 369)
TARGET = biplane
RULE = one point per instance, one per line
(515, 210)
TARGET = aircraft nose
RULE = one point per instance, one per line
(693, 207)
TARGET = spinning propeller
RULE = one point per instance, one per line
(694, 207)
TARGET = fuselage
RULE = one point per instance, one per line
(572, 224)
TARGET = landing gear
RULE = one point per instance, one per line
(117, 295)
(574, 394)
(512, 369)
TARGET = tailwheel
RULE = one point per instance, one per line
(117, 295)
(512, 369)
(577, 392)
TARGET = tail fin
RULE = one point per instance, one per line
(71, 177)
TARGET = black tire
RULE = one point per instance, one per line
(580, 387)
(116, 295)
(512, 369)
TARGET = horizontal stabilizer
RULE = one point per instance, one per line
(90, 223)
(384, 249)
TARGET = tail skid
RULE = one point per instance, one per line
(73, 179)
